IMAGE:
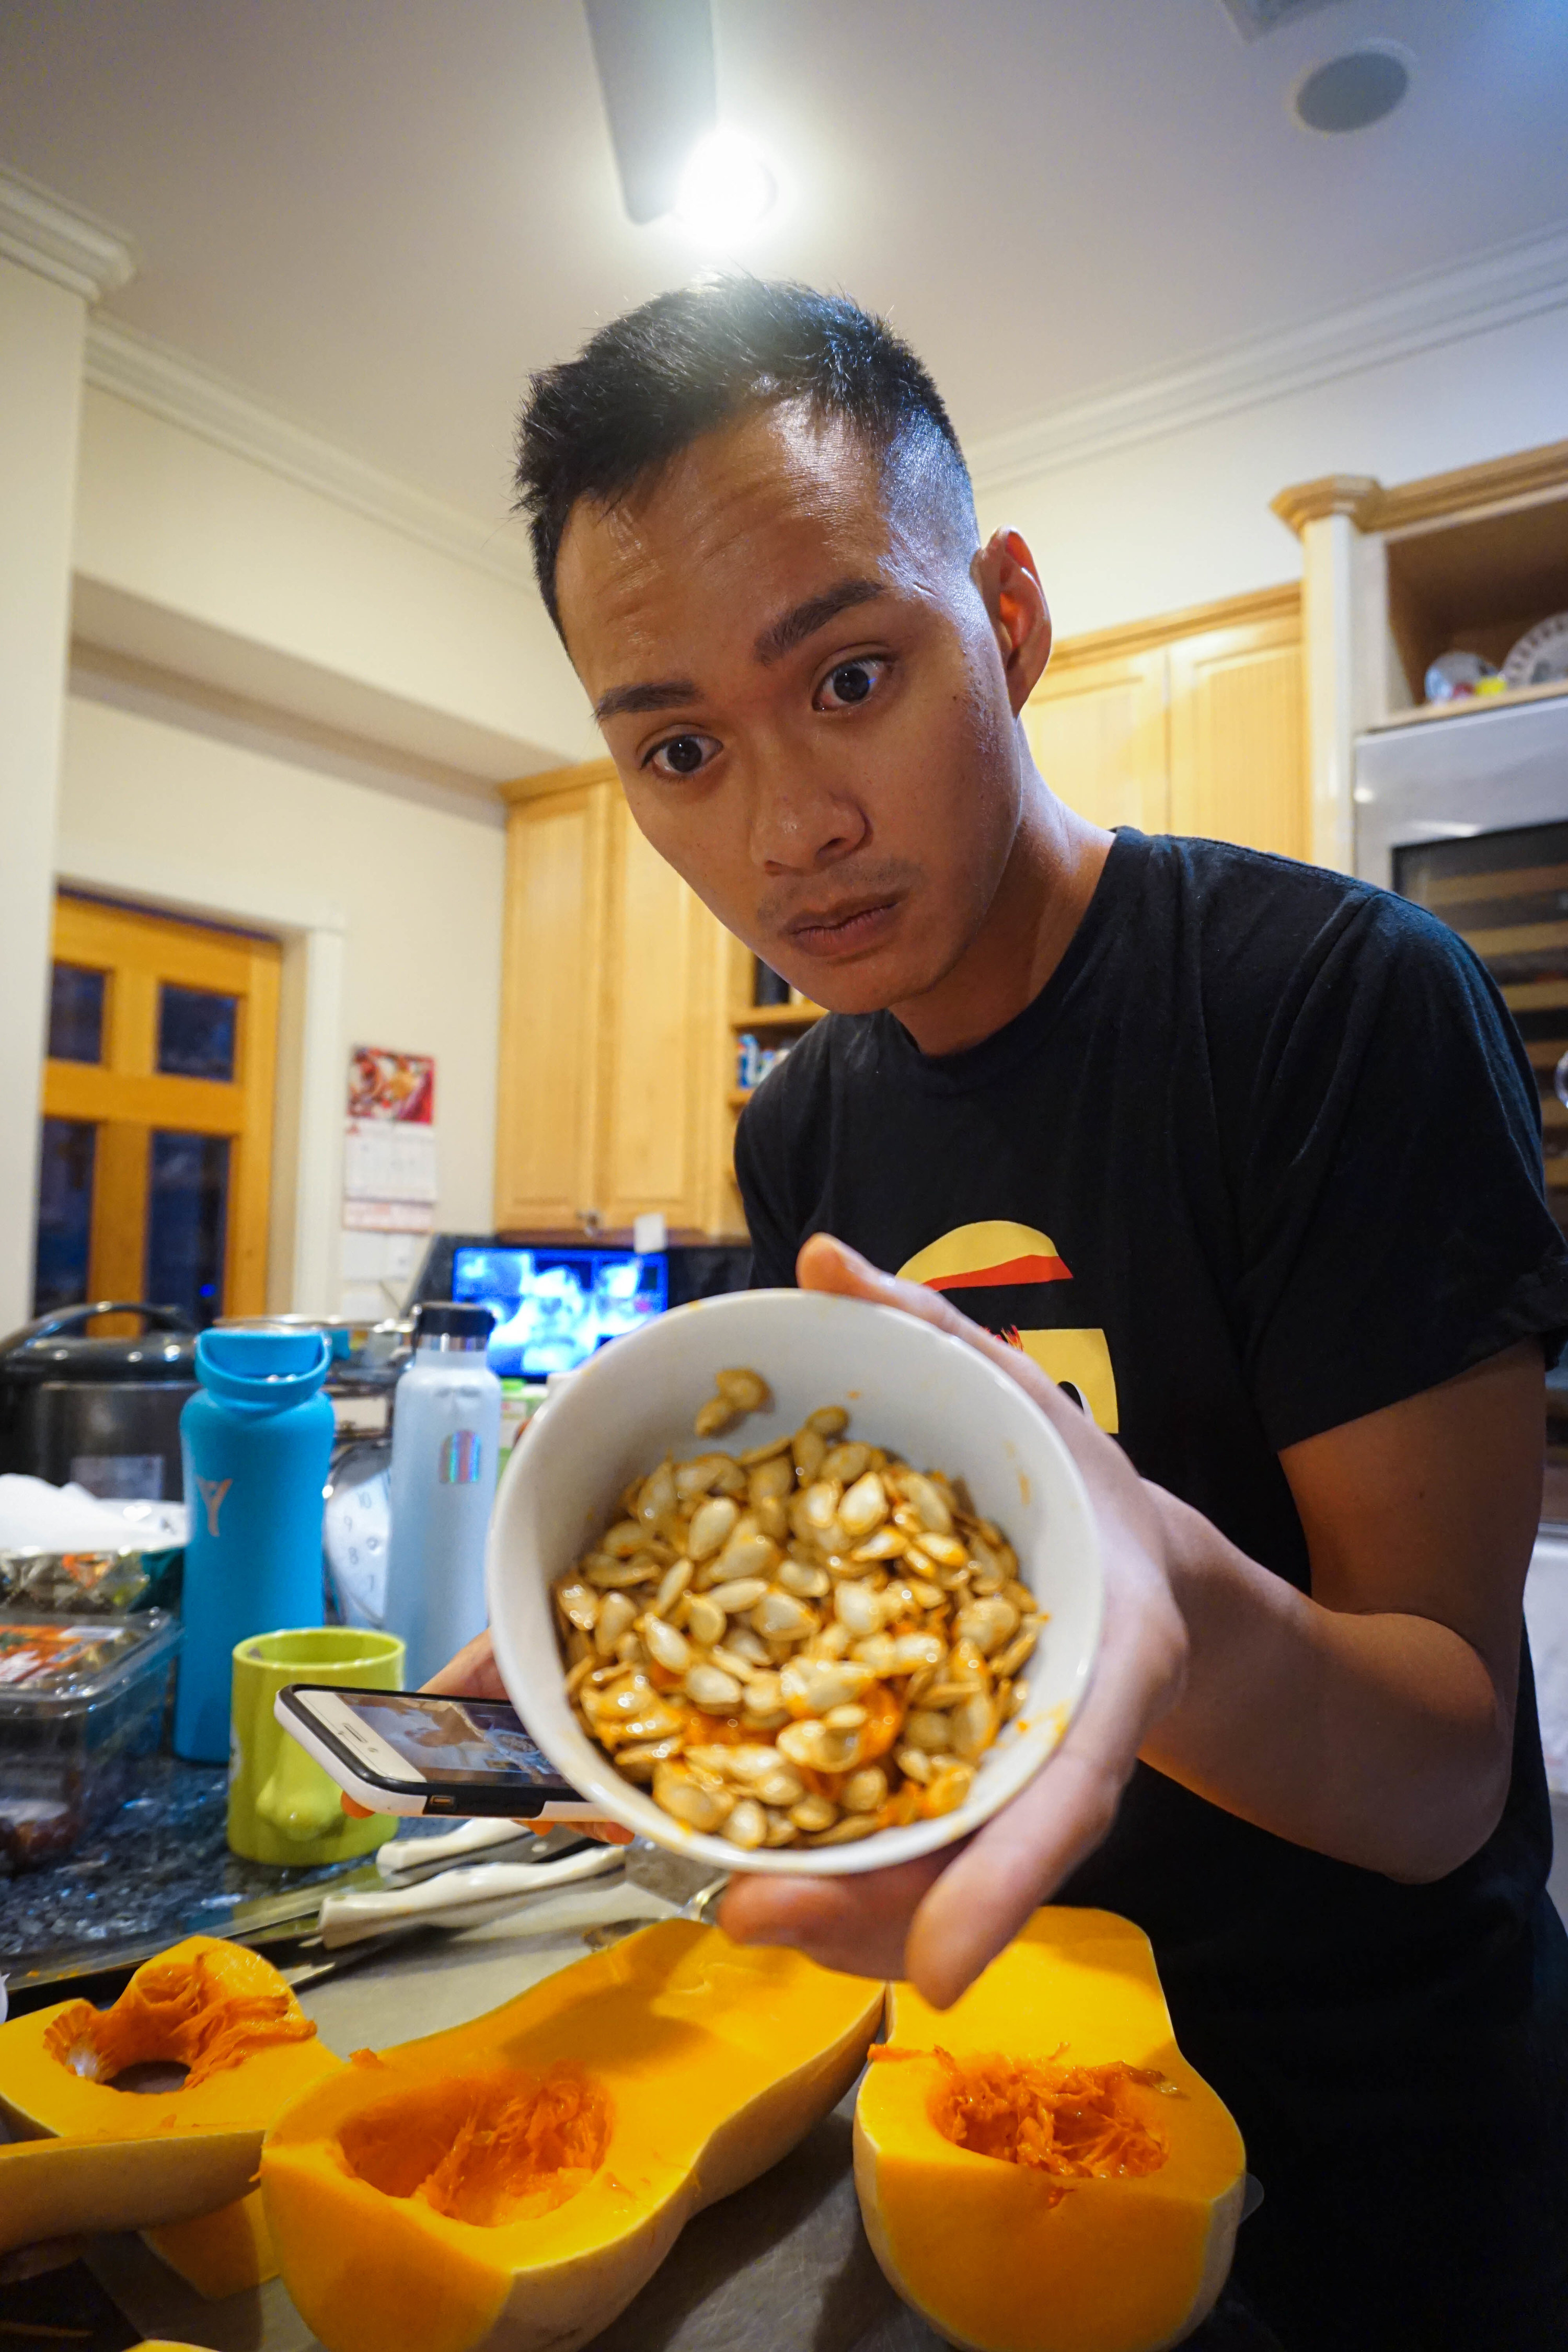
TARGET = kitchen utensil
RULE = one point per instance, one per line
(258, 1437)
(282, 1807)
(460, 1897)
(916, 1390)
(104, 1412)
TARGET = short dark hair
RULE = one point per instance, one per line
(651, 383)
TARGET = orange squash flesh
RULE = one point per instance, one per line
(513, 2183)
(1115, 2233)
(179, 2163)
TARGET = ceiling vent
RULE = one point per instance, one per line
(1253, 19)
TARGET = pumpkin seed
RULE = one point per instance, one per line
(579, 1604)
(623, 1540)
(714, 1418)
(972, 1726)
(864, 1504)
(828, 1420)
(948, 1789)
(614, 1617)
(807, 1448)
(857, 1606)
(928, 1503)
(711, 1523)
(1014, 1655)
(771, 1479)
(747, 1825)
(924, 1727)
(814, 1814)
(844, 1832)
(666, 1647)
(806, 1583)
(704, 1622)
(779, 1616)
(611, 1574)
(746, 1389)
(671, 1585)
(699, 1476)
(678, 1793)
(712, 1689)
(865, 1791)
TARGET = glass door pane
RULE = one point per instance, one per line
(187, 1222)
(76, 1013)
(65, 1214)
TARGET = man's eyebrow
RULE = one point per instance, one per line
(659, 694)
(793, 628)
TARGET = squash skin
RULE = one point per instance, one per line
(1117, 2265)
(123, 2159)
(716, 2059)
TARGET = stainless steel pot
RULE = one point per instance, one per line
(104, 1412)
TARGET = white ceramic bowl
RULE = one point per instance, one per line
(923, 1396)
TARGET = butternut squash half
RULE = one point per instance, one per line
(1039, 2169)
(93, 2153)
(513, 2183)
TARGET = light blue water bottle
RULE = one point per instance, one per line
(256, 1439)
(446, 1440)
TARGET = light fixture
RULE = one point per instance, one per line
(725, 189)
(1354, 90)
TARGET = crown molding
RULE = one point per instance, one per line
(1511, 283)
(136, 368)
(66, 247)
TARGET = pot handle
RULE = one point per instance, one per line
(65, 1319)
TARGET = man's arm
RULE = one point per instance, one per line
(1372, 1721)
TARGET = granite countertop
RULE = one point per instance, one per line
(158, 1869)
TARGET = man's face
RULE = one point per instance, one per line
(805, 693)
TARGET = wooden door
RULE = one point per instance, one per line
(661, 1061)
(158, 1092)
(552, 1008)
(1238, 769)
(1096, 730)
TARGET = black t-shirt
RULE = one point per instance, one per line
(1262, 1157)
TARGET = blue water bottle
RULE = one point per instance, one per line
(256, 1439)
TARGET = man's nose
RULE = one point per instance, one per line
(802, 822)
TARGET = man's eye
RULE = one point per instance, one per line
(682, 755)
(851, 683)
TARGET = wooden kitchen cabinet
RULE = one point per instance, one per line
(1189, 723)
(613, 1048)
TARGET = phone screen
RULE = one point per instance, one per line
(446, 1740)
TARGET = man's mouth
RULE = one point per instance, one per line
(836, 931)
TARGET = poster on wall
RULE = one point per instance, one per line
(389, 1150)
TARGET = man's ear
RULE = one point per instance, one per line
(1007, 579)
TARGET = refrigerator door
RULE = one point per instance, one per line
(1489, 770)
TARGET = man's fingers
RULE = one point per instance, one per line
(856, 1924)
(472, 1674)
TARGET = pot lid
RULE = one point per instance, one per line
(55, 1349)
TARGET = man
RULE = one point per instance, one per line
(1248, 1158)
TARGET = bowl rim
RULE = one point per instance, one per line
(622, 1800)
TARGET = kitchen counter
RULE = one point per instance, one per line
(158, 1869)
(783, 2266)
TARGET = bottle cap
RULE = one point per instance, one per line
(446, 1319)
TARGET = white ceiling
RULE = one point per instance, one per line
(377, 215)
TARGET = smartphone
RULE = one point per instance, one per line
(414, 1752)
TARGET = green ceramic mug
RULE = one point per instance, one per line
(281, 1806)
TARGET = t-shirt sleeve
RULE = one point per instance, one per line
(761, 1170)
(1392, 1214)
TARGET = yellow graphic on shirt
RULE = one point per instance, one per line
(996, 1254)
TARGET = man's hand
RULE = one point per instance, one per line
(474, 1674)
(939, 1920)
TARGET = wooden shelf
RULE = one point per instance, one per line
(741, 1095)
(776, 1016)
(1465, 705)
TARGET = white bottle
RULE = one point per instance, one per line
(445, 1442)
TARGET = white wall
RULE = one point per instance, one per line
(213, 564)
(41, 330)
(416, 881)
(1183, 518)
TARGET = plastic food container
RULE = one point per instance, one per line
(80, 1698)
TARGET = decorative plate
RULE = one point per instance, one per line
(1541, 656)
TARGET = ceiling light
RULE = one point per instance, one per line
(1353, 90)
(725, 188)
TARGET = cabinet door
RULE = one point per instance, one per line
(662, 1039)
(1237, 750)
(551, 1008)
(1096, 730)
